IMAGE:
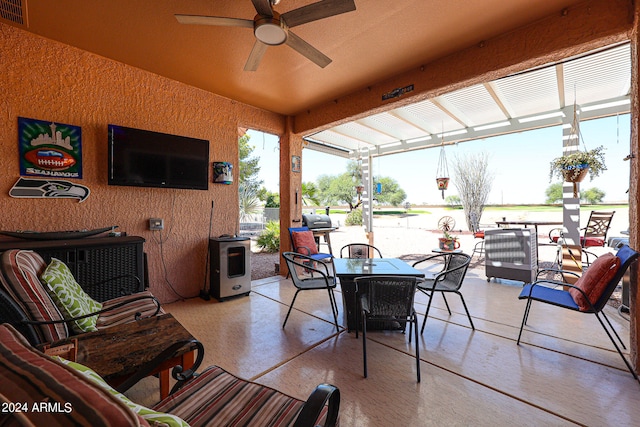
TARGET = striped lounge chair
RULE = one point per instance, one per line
(66, 393)
(21, 271)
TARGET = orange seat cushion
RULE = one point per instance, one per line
(304, 242)
(479, 234)
(595, 280)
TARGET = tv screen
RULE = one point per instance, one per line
(151, 159)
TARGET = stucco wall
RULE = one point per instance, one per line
(46, 80)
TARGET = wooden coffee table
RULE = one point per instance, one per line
(117, 352)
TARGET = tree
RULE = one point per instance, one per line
(336, 190)
(391, 193)
(592, 195)
(248, 182)
(554, 193)
(310, 194)
(473, 181)
(341, 189)
(270, 198)
(453, 200)
(248, 167)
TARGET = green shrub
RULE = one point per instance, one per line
(269, 239)
(354, 217)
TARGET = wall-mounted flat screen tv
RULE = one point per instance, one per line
(143, 158)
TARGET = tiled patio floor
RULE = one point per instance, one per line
(566, 372)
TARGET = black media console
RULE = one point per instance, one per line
(105, 267)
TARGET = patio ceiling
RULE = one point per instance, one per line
(599, 82)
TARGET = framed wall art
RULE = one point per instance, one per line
(295, 163)
(222, 173)
(49, 149)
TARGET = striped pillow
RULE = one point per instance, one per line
(218, 398)
(116, 316)
(154, 418)
(22, 270)
(66, 398)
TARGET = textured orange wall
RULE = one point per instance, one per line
(46, 80)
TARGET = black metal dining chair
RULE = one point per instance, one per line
(448, 279)
(307, 274)
(359, 250)
(387, 299)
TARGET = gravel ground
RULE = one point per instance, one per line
(412, 236)
(263, 265)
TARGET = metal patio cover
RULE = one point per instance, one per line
(598, 82)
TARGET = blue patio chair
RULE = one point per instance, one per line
(582, 296)
(309, 247)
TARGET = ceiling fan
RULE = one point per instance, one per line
(272, 29)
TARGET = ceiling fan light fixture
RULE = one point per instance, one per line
(269, 30)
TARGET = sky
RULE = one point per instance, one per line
(519, 163)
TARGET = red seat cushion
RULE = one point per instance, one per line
(479, 234)
(591, 241)
(595, 280)
(304, 243)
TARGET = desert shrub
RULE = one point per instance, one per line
(269, 239)
(354, 217)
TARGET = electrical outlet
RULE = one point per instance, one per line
(156, 224)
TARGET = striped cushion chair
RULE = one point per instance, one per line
(39, 391)
(214, 398)
(21, 271)
(218, 398)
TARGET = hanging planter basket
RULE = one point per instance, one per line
(575, 175)
(443, 183)
(442, 171)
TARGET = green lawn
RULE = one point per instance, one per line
(530, 208)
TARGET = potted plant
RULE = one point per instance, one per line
(448, 242)
(574, 167)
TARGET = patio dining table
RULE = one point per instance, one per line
(347, 269)
(526, 223)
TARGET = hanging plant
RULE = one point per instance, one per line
(443, 183)
(442, 173)
(574, 167)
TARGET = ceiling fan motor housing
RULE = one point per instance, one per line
(270, 29)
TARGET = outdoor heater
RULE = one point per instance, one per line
(511, 253)
(230, 267)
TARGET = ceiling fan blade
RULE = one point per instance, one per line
(319, 10)
(263, 7)
(307, 50)
(214, 20)
(255, 56)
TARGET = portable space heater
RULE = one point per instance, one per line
(511, 253)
